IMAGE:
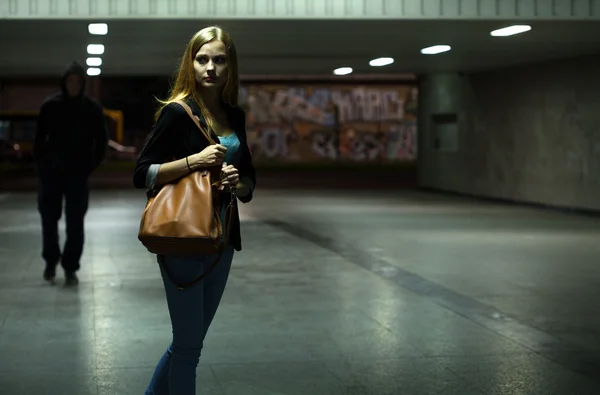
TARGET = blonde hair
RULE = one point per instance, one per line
(185, 83)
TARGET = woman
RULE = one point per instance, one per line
(208, 82)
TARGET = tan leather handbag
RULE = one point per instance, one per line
(183, 217)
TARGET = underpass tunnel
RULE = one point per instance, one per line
(423, 219)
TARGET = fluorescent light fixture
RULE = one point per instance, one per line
(342, 71)
(94, 62)
(511, 30)
(93, 71)
(435, 49)
(99, 29)
(381, 62)
(95, 49)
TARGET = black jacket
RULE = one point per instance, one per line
(71, 136)
(176, 136)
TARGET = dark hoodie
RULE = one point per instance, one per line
(71, 137)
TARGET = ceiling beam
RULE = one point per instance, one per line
(302, 9)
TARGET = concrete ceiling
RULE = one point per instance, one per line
(313, 47)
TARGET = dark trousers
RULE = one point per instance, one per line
(52, 190)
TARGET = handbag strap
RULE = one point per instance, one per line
(196, 120)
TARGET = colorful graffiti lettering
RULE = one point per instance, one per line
(306, 123)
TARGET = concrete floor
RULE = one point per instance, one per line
(334, 293)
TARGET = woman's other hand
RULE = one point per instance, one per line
(229, 175)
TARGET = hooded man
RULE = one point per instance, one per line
(70, 142)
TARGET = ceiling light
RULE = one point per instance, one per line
(93, 71)
(381, 62)
(95, 49)
(433, 50)
(511, 30)
(342, 71)
(95, 62)
(99, 29)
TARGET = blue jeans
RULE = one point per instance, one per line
(192, 311)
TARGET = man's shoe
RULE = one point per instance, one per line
(71, 279)
(50, 273)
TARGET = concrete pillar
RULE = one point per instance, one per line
(439, 100)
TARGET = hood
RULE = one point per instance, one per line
(77, 69)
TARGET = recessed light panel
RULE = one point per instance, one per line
(381, 62)
(93, 71)
(94, 62)
(99, 29)
(511, 30)
(95, 49)
(342, 71)
(435, 49)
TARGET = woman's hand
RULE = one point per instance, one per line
(212, 155)
(229, 175)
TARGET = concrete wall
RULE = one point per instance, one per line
(26, 96)
(29, 94)
(530, 133)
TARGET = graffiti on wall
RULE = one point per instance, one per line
(311, 123)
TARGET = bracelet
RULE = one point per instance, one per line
(188, 164)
